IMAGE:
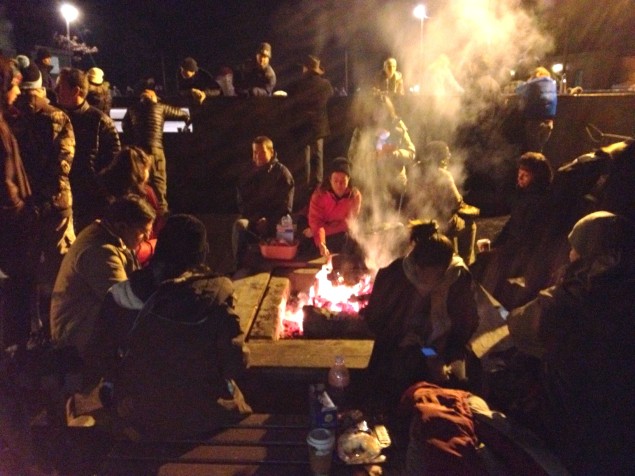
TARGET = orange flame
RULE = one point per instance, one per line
(327, 293)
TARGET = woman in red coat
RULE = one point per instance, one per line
(332, 206)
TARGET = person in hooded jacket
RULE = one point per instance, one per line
(185, 348)
(422, 313)
(582, 331)
(518, 249)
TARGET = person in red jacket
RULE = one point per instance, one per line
(332, 205)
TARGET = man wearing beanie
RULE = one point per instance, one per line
(258, 77)
(97, 143)
(196, 84)
(184, 320)
(47, 145)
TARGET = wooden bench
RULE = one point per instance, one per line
(261, 444)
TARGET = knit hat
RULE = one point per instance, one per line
(182, 242)
(265, 49)
(341, 164)
(599, 233)
(96, 76)
(189, 64)
(31, 77)
(22, 61)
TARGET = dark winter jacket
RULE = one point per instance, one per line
(527, 220)
(15, 190)
(404, 320)
(97, 143)
(184, 347)
(583, 330)
(143, 123)
(309, 96)
(202, 81)
(47, 145)
(266, 192)
(256, 81)
(15, 193)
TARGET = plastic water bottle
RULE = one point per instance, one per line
(338, 378)
(284, 230)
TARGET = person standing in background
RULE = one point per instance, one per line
(143, 126)
(98, 90)
(47, 145)
(97, 144)
(538, 102)
(310, 95)
(196, 85)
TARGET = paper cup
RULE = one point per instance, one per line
(320, 442)
(483, 245)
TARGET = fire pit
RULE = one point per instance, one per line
(272, 302)
(330, 308)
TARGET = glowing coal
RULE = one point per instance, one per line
(337, 293)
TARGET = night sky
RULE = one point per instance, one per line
(138, 38)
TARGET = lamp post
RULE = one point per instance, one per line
(420, 13)
(70, 13)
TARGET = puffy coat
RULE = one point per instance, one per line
(47, 144)
(143, 123)
(97, 142)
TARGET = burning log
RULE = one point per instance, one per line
(320, 323)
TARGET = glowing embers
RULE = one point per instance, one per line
(330, 309)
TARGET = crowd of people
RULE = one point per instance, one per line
(96, 262)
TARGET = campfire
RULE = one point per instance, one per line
(331, 307)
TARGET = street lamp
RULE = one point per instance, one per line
(70, 13)
(420, 13)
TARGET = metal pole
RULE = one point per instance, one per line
(346, 71)
(68, 31)
(421, 42)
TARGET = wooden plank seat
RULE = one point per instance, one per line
(261, 444)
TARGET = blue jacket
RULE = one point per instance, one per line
(539, 98)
